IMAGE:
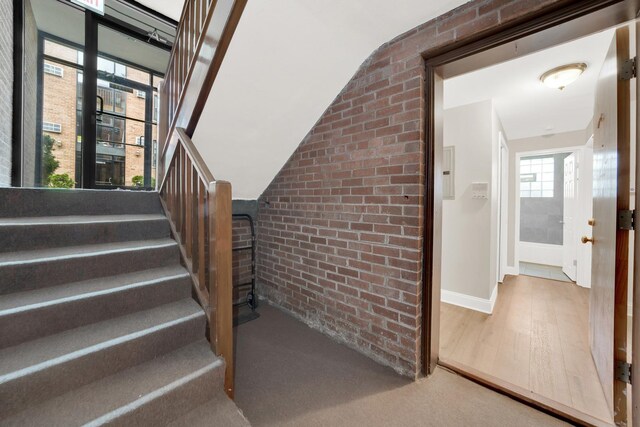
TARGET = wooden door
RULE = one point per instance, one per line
(569, 241)
(608, 299)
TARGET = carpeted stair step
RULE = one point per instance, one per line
(38, 313)
(24, 271)
(41, 369)
(33, 233)
(152, 393)
(30, 202)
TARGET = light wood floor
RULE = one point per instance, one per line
(537, 338)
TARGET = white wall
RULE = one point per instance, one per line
(469, 228)
(287, 62)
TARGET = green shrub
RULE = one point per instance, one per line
(49, 162)
(138, 180)
(61, 181)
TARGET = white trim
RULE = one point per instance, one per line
(541, 253)
(513, 271)
(518, 155)
(467, 301)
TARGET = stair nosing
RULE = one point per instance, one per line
(95, 348)
(80, 219)
(89, 295)
(128, 247)
(149, 397)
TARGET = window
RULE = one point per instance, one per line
(140, 140)
(53, 69)
(113, 100)
(156, 107)
(112, 68)
(110, 131)
(537, 176)
(140, 93)
(52, 127)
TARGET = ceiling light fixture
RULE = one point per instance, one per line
(561, 77)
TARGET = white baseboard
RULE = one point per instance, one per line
(540, 253)
(513, 271)
(467, 301)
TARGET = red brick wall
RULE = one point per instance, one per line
(339, 228)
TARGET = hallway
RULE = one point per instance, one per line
(536, 339)
(289, 374)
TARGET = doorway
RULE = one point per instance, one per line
(437, 70)
(89, 113)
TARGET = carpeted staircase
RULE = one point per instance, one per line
(97, 322)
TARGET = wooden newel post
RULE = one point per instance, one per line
(220, 273)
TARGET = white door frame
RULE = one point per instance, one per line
(503, 206)
(519, 155)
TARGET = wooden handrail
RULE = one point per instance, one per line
(200, 214)
(202, 38)
(198, 206)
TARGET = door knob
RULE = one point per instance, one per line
(591, 222)
(586, 239)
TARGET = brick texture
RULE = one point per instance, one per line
(6, 89)
(340, 227)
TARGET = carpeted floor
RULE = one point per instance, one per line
(290, 375)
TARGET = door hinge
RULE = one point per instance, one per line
(628, 69)
(623, 371)
(626, 220)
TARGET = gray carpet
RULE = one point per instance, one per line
(290, 375)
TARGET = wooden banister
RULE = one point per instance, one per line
(199, 209)
(205, 30)
(198, 206)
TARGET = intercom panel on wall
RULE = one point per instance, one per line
(480, 190)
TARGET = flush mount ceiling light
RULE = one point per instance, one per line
(561, 77)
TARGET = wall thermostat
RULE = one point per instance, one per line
(480, 190)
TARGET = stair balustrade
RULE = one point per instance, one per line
(198, 206)
(200, 213)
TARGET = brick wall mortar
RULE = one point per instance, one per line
(340, 227)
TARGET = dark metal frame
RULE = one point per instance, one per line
(89, 69)
(18, 94)
(252, 301)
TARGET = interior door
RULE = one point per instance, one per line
(569, 241)
(608, 296)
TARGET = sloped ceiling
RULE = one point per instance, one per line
(287, 62)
